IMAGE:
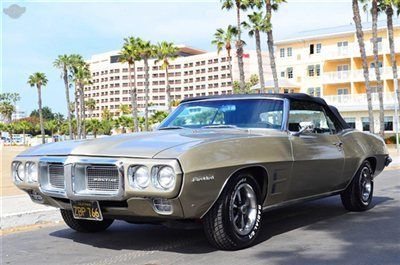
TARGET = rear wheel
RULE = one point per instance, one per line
(358, 195)
(84, 226)
(234, 220)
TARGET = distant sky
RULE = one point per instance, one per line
(46, 29)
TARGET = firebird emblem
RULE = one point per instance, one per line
(203, 178)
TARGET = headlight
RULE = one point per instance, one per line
(31, 171)
(165, 178)
(139, 176)
(18, 171)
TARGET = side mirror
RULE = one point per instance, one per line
(305, 127)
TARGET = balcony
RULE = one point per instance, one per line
(337, 77)
(358, 102)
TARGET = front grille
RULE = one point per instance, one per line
(102, 178)
(56, 175)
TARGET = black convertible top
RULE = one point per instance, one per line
(290, 96)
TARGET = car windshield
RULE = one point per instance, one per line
(227, 113)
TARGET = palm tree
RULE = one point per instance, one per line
(360, 38)
(272, 5)
(6, 110)
(63, 62)
(93, 125)
(82, 76)
(257, 23)
(222, 39)
(375, 10)
(146, 50)
(166, 52)
(39, 79)
(24, 126)
(124, 109)
(51, 126)
(130, 54)
(389, 5)
(239, 5)
(90, 105)
(77, 63)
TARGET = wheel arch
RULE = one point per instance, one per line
(259, 173)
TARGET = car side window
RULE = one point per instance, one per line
(303, 111)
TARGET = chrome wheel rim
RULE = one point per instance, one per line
(365, 184)
(243, 209)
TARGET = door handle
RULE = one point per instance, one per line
(338, 144)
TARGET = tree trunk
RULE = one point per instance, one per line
(230, 67)
(65, 77)
(389, 14)
(168, 91)
(239, 50)
(270, 42)
(259, 60)
(360, 38)
(133, 96)
(78, 120)
(83, 109)
(23, 133)
(40, 113)
(146, 102)
(377, 69)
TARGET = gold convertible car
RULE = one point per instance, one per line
(220, 161)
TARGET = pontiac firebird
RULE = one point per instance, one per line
(219, 161)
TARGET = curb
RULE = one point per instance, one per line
(30, 218)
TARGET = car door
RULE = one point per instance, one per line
(318, 158)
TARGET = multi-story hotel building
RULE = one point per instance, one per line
(193, 73)
(327, 63)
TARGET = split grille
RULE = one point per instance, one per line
(56, 176)
(102, 178)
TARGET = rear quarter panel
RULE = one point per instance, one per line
(357, 147)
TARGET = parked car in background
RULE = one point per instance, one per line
(218, 160)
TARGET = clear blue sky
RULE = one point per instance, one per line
(31, 42)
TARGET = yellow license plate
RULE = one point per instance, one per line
(89, 210)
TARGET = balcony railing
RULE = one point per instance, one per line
(357, 101)
(355, 75)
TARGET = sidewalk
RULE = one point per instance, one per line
(19, 210)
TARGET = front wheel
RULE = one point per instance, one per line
(358, 195)
(234, 220)
(84, 226)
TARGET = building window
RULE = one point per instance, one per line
(319, 46)
(365, 124)
(311, 48)
(351, 122)
(282, 52)
(388, 123)
(372, 65)
(310, 70)
(282, 73)
(289, 72)
(317, 69)
(314, 91)
(343, 91)
(289, 52)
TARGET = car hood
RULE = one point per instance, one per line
(136, 145)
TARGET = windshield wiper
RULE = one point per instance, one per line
(171, 128)
(216, 126)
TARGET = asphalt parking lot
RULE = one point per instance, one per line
(318, 232)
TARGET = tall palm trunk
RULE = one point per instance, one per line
(239, 49)
(78, 118)
(39, 89)
(65, 77)
(83, 109)
(133, 96)
(230, 66)
(377, 69)
(146, 102)
(360, 38)
(168, 90)
(259, 60)
(389, 14)
(270, 42)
